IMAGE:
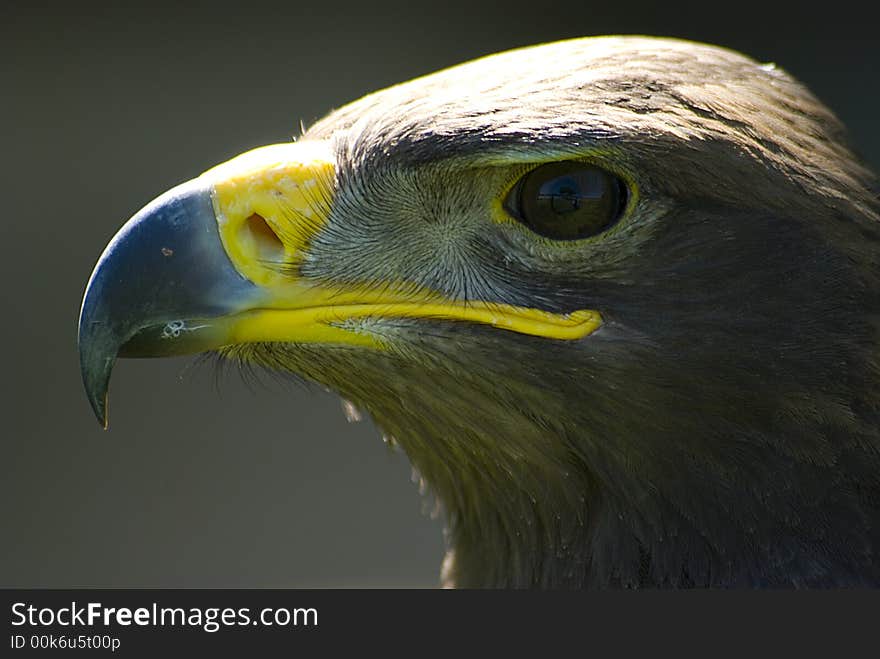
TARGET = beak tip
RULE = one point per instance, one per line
(97, 352)
(102, 413)
(98, 398)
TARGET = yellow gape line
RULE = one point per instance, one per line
(321, 324)
(270, 203)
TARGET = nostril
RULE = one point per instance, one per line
(263, 237)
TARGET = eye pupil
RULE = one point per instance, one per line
(567, 200)
(563, 202)
(563, 194)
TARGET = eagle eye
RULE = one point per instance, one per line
(567, 200)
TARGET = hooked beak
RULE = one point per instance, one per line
(158, 288)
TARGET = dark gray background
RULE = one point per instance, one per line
(204, 481)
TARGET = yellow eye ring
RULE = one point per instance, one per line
(567, 200)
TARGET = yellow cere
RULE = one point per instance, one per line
(269, 203)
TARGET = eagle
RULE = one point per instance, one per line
(616, 298)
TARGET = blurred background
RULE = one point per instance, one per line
(205, 480)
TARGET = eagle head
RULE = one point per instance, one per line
(616, 298)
